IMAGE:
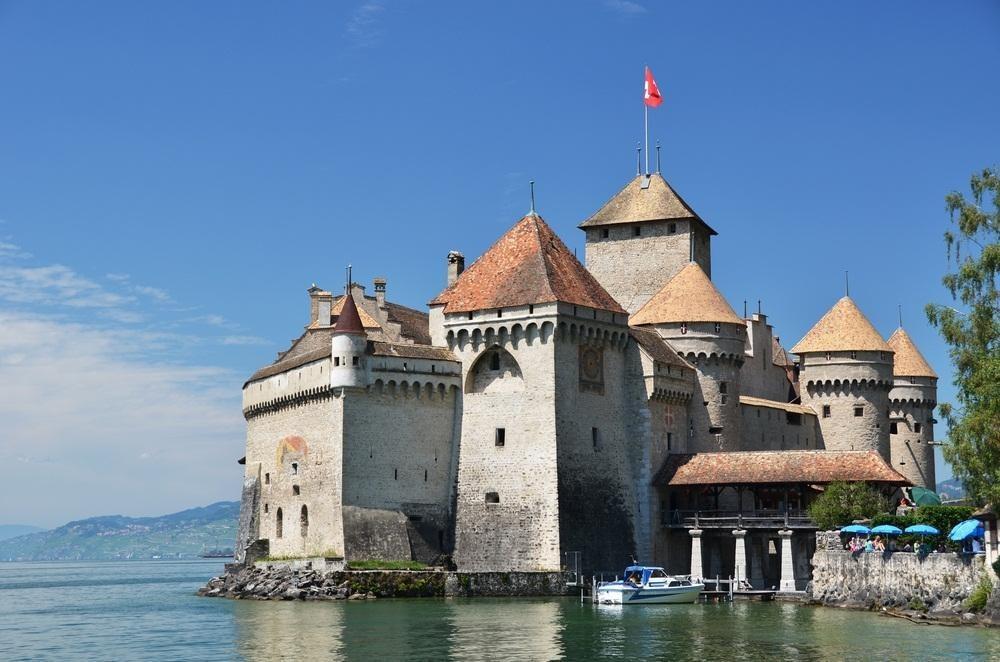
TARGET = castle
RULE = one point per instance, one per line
(547, 414)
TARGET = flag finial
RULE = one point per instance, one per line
(847, 283)
(531, 186)
(657, 157)
(638, 159)
(899, 308)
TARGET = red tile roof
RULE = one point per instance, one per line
(349, 321)
(528, 264)
(759, 467)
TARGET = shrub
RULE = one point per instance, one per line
(996, 567)
(977, 599)
(843, 502)
(386, 565)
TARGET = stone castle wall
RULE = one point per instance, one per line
(507, 514)
(844, 383)
(912, 402)
(634, 268)
(316, 473)
(760, 377)
(772, 429)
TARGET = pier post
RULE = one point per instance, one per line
(787, 583)
(740, 565)
(696, 572)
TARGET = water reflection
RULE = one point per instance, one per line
(565, 629)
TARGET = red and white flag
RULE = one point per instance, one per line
(651, 93)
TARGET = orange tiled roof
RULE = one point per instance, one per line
(908, 361)
(843, 328)
(528, 264)
(367, 321)
(687, 297)
(645, 198)
(760, 467)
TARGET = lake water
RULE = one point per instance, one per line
(147, 610)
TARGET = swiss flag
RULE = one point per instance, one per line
(651, 93)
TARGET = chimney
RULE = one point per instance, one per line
(380, 291)
(456, 265)
(320, 304)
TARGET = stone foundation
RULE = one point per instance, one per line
(282, 582)
(938, 583)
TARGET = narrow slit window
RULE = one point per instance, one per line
(304, 521)
(278, 524)
(500, 436)
(636, 231)
(354, 360)
(670, 440)
(826, 411)
(336, 361)
(672, 228)
(295, 468)
(267, 479)
(718, 327)
(916, 427)
(495, 361)
(595, 438)
(395, 474)
(604, 233)
(296, 490)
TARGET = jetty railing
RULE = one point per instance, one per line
(731, 519)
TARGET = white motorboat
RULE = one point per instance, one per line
(649, 585)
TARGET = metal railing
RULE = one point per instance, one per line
(731, 519)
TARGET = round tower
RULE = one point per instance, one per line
(911, 412)
(845, 376)
(698, 322)
(348, 347)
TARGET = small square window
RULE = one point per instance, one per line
(684, 327)
(500, 437)
(723, 387)
(718, 328)
(336, 361)
(854, 355)
(604, 233)
(295, 468)
(828, 356)
(296, 490)
(492, 497)
(636, 231)
(672, 228)
(531, 309)
(859, 411)
(826, 411)
(916, 427)
(499, 313)
(354, 360)
(470, 314)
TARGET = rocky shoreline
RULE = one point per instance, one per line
(254, 582)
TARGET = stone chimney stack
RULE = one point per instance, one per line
(380, 291)
(456, 265)
(320, 305)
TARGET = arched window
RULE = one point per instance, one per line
(304, 521)
(277, 524)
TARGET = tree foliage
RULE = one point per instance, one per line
(973, 334)
(842, 502)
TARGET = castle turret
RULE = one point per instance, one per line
(845, 376)
(348, 347)
(911, 412)
(642, 237)
(701, 326)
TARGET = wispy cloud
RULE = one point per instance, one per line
(154, 293)
(55, 284)
(12, 251)
(364, 27)
(625, 7)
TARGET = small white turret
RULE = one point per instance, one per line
(349, 365)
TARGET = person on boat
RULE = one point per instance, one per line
(633, 578)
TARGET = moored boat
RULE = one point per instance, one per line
(649, 585)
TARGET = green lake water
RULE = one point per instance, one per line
(148, 611)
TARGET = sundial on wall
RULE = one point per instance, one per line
(591, 369)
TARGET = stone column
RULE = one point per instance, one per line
(742, 552)
(787, 567)
(756, 572)
(696, 572)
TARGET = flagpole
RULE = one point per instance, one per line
(646, 123)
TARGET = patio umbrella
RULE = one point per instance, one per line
(922, 530)
(887, 530)
(855, 528)
(970, 528)
(925, 497)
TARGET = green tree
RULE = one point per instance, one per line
(973, 447)
(842, 502)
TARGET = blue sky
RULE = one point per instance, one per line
(174, 175)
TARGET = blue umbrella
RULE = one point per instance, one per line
(887, 530)
(970, 528)
(922, 530)
(855, 528)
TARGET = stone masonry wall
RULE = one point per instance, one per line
(317, 474)
(941, 582)
(769, 429)
(634, 268)
(912, 402)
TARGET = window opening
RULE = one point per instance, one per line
(500, 437)
(672, 228)
(916, 427)
(859, 411)
(354, 360)
(495, 361)
(595, 438)
(278, 524)
(296, 490)
(636, 231)
(826, 411)
(267, 479)
(604, 233)
(304, 521)
(492, 497)
(295, 468)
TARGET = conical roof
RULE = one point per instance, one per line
(843, 328)
(528, 264)
(645, 198)
(908, 361)
(367, 321)
(349, 320)
(689, 296)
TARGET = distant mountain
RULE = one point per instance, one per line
(186, 534)
(950, 489)
(15, 530)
